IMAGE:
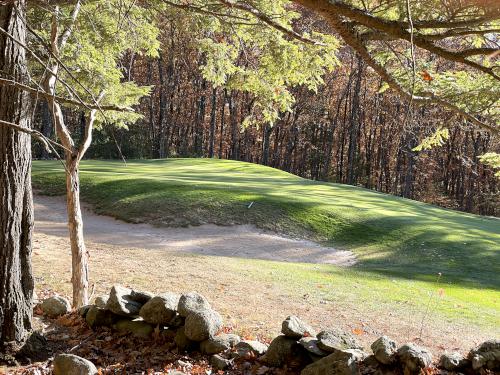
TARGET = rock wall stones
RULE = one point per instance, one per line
(194, 326)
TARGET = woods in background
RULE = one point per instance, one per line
(351, 131)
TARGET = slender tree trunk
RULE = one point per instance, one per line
(16, 202)
(47, 127)
(80, 255)
(213, 118)
(222, 120)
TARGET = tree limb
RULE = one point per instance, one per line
(60, 99)
(397, 29)
(352, 40)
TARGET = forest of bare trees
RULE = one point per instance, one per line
(350, 131)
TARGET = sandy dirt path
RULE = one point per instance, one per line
(242, 241)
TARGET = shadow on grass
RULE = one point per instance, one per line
(392, 236)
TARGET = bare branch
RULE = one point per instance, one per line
(60, 99)
(42, 138)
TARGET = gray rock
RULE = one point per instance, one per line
(334, 339)
(55, 306)
(280, 351)
(486, 355)
(183, 343)
(311, 345)
(160, 309)
(384, 349)
(294, 328)
(342, 362)
(219, 343)
(97, 317)
(124, 301)
(192, 302)
(245, 347)
(65, 364)
(453, 361)
(414, 358)
(137, 328)
(202, 325)
(219, 363)
(101, 301)
(82, 311)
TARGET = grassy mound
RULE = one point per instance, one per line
(394, 238)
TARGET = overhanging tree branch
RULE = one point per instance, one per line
(350, 37)
(396, 29)
(60, 99)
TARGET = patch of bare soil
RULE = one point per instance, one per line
(242, 241)
(251, 304)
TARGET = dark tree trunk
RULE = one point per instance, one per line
(355, 126)
(213, 118)
(16, 203)
(198, 136)
(234, 128)
(161, 120)
(222, 120)
(47, 126)
(267, 130)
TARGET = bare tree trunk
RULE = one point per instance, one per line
(213, 119)
(16, 202)
(80, 255)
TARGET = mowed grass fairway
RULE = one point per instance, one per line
(401, 244)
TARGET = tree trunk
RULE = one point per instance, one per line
(80, 255)
(213, 118)
(16, 202)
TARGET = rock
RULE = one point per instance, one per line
(101, 301)
(334, 339)
(192, 302)
(280, 351)
(243, 348)
(160, 309)
(202, 325)
(311, 345)
(294, 328)
(183, 343)
(82, 311)
(342, 362)
(453, 361)
(384, 349)
(219, 363)
(177, 321)
(219, 343)
(126, 302)
(55, 306)
(137, 328)
(414, 358)
(65, 364)
(97, 317)
(486, 355)
(35, 299)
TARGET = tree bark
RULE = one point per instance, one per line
(80, 255)
(16, 202)
(213, 118)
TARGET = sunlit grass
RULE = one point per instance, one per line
(401, 244)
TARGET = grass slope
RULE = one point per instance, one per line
(401, 244)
